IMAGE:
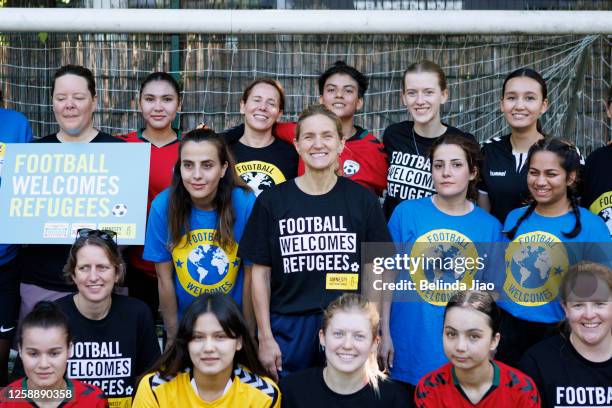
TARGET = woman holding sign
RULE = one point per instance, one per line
(194, 227)
(74, 100)
(304, 239)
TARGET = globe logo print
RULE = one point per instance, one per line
(435, 271)
(207, 264)
(531, 266)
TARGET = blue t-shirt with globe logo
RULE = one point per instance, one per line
(540, 254)
(445, 250)
(200, 263)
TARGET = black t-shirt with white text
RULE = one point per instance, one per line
(312, 242)
(113, 352)
(565, 378)
(409, 174)
(264, 167)
(307, 389)
(597, 184)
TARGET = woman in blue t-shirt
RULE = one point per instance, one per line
(537, 257)
(194, 227)
(444, 236)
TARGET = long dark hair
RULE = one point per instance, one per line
(472, 156)
(569, 159)
(176, 358)
(179, 209)
(535, 75)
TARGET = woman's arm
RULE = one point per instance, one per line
(167, 298)
(247, 300)
(269, 352)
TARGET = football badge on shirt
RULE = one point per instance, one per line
(442, 267)
(202, 265)
(259, 175)
(350, 168)
(535, 262)
(602, 206)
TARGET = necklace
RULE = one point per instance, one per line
(416, 148)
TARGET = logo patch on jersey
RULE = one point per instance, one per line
(602, 206)
(202, 266)
(535, 263)
(497, 173)
(443, 270)
(259, 175)
(350, 168)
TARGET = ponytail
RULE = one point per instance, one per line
(510, 234)
(576, 211)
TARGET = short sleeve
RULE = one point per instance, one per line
(530, 397)
(482, 182)
(424, 398)
(255, 244)
(377, 230)
(401, 228)
(244, 202)
(148, 351)
(529, 366)
(27, 132)
(157, 237)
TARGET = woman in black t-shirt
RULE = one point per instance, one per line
(574, 369)
(504, 173)
(73, 89)
(304, 238)
(351, 378)
(114, 336)
(407, 143)
(263, 161)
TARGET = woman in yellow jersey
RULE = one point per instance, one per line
(212, 363)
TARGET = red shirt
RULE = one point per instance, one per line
(511, 388)
(81, 395)
(362, 160)
(161, 168)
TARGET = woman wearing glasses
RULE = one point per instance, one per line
(114, 339)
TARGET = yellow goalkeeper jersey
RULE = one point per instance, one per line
(246, 390)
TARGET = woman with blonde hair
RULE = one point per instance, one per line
(351, 377)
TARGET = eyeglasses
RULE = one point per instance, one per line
(106, 235)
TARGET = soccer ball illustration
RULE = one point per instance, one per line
(350, 167)
(120, 210)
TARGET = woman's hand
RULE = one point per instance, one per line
(270, 356)
(386, 351)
